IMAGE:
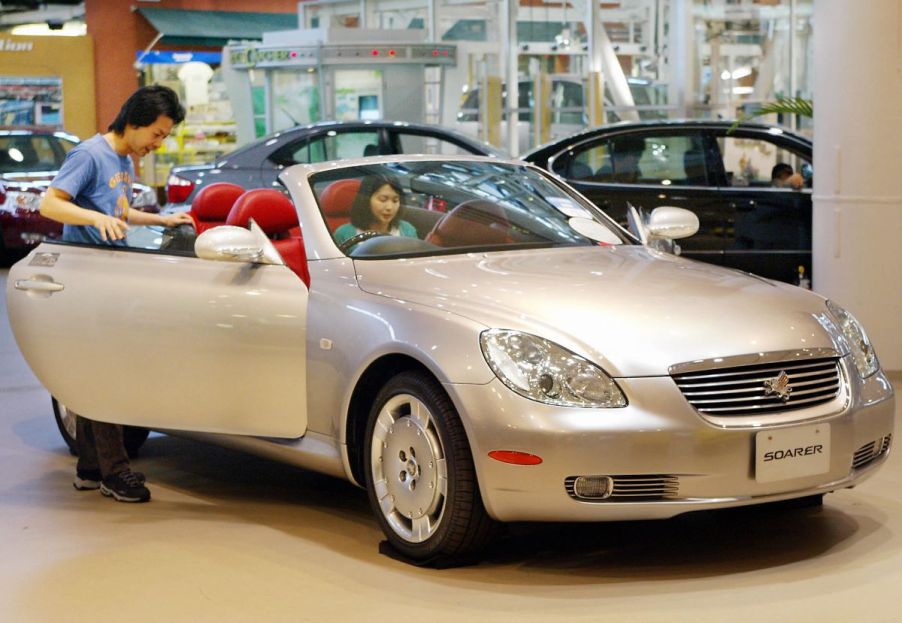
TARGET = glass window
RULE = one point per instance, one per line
(641, 159)
(20, 153)
(330, 146)
(761, 163)
(425, 144)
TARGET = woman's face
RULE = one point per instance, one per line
(384, 205)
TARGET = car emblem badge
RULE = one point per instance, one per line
(778, 385)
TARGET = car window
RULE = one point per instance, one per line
(329, 146)
(24, 153)
(757, 162)
(639, 159)
(413, 143)
(433, 208)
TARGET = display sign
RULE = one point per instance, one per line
(420, 53)
(172, 58)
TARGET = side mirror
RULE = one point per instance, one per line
(227, 243)
(671, 223)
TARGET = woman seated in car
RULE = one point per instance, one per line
(377, 208)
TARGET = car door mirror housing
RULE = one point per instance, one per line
(227, 243)
(670, 223)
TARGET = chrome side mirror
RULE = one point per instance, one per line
(670, 223)
(227, 243)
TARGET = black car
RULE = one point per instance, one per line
(259, 164)
(754, 212)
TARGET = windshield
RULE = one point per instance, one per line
(421, 207)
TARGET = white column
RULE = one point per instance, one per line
(858, 165)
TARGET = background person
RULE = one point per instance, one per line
(782, 176)
(91, 196)
(377, 207)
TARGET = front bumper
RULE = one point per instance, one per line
(658, 435)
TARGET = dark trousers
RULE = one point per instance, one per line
(100, 446)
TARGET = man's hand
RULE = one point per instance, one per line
(174, 220)
(110, 227)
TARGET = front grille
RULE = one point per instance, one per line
(633, 488)
(870, 452)
(744, 390)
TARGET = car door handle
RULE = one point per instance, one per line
(38, 285)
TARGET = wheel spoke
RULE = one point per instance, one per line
(385, 498)
(420, 413)
(421, 528)
(441, 469)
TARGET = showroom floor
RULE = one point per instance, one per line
(230, 537)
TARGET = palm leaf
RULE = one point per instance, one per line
(783, 105)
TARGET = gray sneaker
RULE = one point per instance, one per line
(125, 486)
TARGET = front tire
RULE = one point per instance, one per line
(133, 436)
(420, 477)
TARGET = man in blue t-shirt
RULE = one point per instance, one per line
(91, 196)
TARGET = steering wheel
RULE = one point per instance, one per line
(358, 238)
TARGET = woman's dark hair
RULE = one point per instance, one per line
(361, 215)
(145, 105)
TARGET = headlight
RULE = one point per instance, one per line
(541, 370)
(863, 353)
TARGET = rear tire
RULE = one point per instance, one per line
(420, 477)
(133, 436)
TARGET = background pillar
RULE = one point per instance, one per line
(857, 218)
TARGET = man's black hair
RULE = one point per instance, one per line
(145, 105)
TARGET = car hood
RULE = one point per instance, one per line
(633, 311)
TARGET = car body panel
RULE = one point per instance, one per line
(111, 344)
(245, 349)
(616, 303)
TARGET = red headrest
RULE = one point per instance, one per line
(471, 223)
(335, 202)
(273, 211)
(213, 202)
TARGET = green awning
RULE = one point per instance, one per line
(215, 28)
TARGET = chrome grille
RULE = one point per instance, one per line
(633, 488)
(743, 390)
(870, 452)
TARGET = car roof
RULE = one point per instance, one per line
(661, 124)
(27, 130)
(380, 124)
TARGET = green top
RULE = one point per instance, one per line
(348, 231)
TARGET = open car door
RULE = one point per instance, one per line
(164, 341)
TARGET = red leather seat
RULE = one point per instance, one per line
(276, 216)
(474, 222)
(212, 204)
(335, 202)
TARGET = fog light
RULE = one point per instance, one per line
(593, 487)
(32, 238)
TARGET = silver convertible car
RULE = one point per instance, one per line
(502, 351)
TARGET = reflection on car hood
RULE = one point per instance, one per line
(633, 311)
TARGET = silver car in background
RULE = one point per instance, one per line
(523, 358)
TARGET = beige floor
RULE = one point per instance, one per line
(229, 537)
